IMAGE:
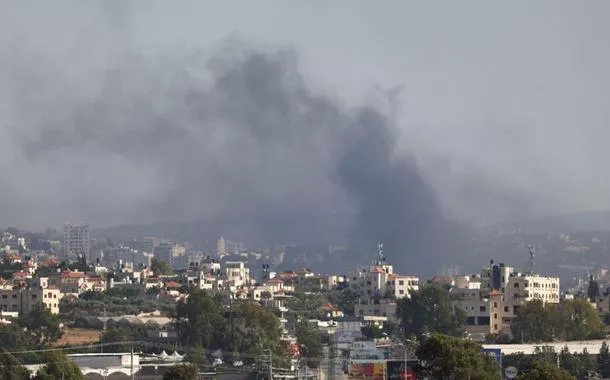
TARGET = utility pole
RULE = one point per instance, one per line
(103, 331)
(270, 364)
(133, 375)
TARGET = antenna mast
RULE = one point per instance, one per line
(380, 257)
(531, 263)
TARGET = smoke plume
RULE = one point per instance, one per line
(237, 139)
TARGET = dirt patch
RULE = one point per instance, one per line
(78, 336)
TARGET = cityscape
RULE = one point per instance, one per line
(304, 190)
(145, 307)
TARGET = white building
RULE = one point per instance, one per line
(492, 300)
(380, 287)
(77, 241)
(237, 274)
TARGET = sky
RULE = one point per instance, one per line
(501, 113)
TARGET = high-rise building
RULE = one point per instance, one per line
(221, 247)
(77, 241)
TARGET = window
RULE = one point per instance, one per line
(34, 296)
(4, 296)
(14, 296)
(401, 291)
(401, 282)
(506, 309)
(516, 284)
(482, 308)
(495, 315)
(495, 304)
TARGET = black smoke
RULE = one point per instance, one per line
(238, 140)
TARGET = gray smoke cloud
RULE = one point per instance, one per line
(236, 138)
(114, 112)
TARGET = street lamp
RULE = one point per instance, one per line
(406, 348)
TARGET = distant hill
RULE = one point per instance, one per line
(193, 232)
(574, 222)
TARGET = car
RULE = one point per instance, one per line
(238, 363)
(217, 362)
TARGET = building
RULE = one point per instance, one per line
(237, 274)
(221, 247)
(380, 287)
(23, 300)
(172, 253)
(491, 301)
(77, 241)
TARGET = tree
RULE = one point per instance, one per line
(429, 310)
(42, 325)
(204, 322)
(581, 320)
(603, 361)
(545, 371)
(127, 334)
(160, 267)
(574, 319)
(448, 358)
(198, 318)
(532, 322)
(182, 372)
(11, 368)
(345, 299)
(310, 342)
(59, 367)
(12, 337)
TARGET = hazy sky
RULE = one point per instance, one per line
(504, 105)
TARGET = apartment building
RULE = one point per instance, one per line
(77, 241)
(23, 299)
(492, 300)
(380, 287)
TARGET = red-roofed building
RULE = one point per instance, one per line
(332, 311)
(172, 285)
(70, 282)
(274, 285)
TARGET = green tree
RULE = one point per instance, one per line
(448, 358)
(574, 319)
(198, 318)
(126, 334)
(581, 320)
(310, 342)
(160, 267)
(532, 322)
(182, 372)
(42, 326)
(13, 338)
(345, 299)
(603, 361)
(59, 367)
(545, 371)
(429, 310)
(11, 368)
